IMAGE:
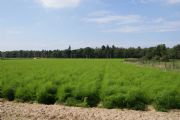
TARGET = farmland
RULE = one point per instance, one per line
(108, 83)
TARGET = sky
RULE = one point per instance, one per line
(56, 24)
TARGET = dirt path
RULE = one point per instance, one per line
(24, 111)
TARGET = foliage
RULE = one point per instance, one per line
(134, 99)
(9, 93)
(159, 52)
(112, 83)
(165, 100)
(71, 101)
(115, 101)
(137, 100)
(25, 94)
(65, 94)
(1, 92)
(47, 95)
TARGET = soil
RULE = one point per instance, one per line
(26, 111)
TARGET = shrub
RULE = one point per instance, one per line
(71, 101)
(91, 99)
(136, 100)
(85, 103)
(115, 101)
(164, 59)
(47, 95)
(156, 57)
(1, 92)
(65, 94)
(167, 100)
(25, 94)
(9, 93)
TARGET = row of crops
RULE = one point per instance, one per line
(89, 83)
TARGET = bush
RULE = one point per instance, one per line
(164, 59)
(156, 58)
(47, 95)
(9, 93)
(65, 94)
(167, 100)
(82, 97)
(91, 99)
(71, 101)
(114, 101)
(25, 94)
(1, 92)
(136, 100)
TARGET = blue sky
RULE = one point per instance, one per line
(56, 24)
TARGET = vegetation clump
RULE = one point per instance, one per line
(25, 94)
(133, 99)
(167, 100)
(111, 83)
(47, 95)
(1, 92)
(159, 52)
(115, 101)
(9, 93)
(137, 100)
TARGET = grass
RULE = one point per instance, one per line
(170, 65)
(89, 82)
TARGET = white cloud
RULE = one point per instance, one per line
(143, 1)
(166, 26)
(132, 23)
(107, 17)
(124, 29)
(57, 4)
(13, 32)
(170, 2)
(99, 13)
(173, 1)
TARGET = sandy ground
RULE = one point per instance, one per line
(25, 111)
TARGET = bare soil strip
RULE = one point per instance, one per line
(25, 111)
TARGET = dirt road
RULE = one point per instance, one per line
(24, 111)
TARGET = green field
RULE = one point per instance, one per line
(109, 83)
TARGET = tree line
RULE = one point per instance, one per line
(159, 52)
